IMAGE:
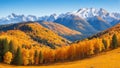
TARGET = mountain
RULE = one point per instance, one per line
(85, 13)
(40, 34)
(113, 30)
(88, 13)
(98, 23)
(117, 15)
(19, 38)
(91, 12)
(62, 30)
(14, 18)
(50, 18)
(77, 23)
(86, 21)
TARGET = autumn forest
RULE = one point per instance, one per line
(27, 45)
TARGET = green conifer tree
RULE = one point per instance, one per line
(105, 43)
(40, 57)
(11, 47)
(5, 46)
(114, 41)
(18, 57)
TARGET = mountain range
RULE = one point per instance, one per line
(74, 25)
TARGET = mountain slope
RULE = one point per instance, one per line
(77, 23)
(62, 30)
(113, 30)
(40, 34)
(19, 37)
(88, 21)
(98, 23)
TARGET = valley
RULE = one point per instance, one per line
(80, 38)
(59, 34)
(34, 46)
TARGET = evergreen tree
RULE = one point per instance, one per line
(105, 43)
(36, 53)
(5, 46)
(18, 57)
(40, 57)
(1, 50)
(11, 47)
(114, 41)
(36, 57)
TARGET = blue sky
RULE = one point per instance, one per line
(47, 7)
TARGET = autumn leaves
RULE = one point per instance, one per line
(36, 55)
(8, 57)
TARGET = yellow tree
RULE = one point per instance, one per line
(41, 57)
(118, 36)
(8, 57)
(108, 42)
(98, 46)
(25, 55)
(31, 58)
(91, 52)
(49, 55)
(36, 57)
(71, 52)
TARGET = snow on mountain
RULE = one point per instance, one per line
(76, 23)
(87, 21)
(31, 18)
(85, 13)
(50, 18)
(92, 12)
(117, 15)
(13, 18)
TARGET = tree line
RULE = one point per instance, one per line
(35, 55)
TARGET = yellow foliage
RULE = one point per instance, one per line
(44, 33)
(31, 58)
(8, 57)
(76, 50)
(18, 37)
(25, 55)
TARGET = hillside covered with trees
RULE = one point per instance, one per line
(26, 45)
(32, 31)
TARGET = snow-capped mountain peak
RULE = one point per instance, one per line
(14, 15)
(11, 16)
(55, 16)
(102, 11)
(90, 12)
(84, 13)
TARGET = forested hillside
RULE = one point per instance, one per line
(36, 53)
(35, 32)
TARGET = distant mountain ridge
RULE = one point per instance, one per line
(84, 22)
(85, 13)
